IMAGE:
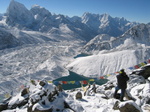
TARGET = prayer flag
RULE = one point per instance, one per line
(136, 66)
(145, 62)
(101, 77)
(77, 82)
(148, 61)
(91, 79)
(108, 75)
(142, 64)
(72, 82)
(68, 82)
(64, 82)
(84, 82)
(55, 82)
(50, 81)
(131, 68)
(117, 72)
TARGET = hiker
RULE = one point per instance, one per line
(122, 79)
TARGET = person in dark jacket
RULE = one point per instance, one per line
(122, 79)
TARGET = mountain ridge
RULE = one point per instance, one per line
(87, 26)
(136, 36)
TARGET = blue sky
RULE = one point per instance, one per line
(132, 10)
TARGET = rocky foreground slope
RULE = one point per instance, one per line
(46, 97)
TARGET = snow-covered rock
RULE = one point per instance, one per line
(47, 98)
(129, 105)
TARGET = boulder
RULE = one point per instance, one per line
(116, 105)
(24, 91)
(33, 82)
(42, 83)
(145, 71)
(109, 86)
(79, 95)
(16, 102)
(146, 107)
(3, 106)
(129, 106)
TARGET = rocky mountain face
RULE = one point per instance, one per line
(42, 18)
(136, 37)
(85, 27)
(18, 15)
(100, 42)
(105, 24)
(7, 40)
(140, 34)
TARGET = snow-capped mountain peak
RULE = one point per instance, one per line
(105, 17)
(40, 11)
(86, 27)
(105, 24)
(18, 15)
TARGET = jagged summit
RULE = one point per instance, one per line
(37, 10)
(105, 24)
(89, 25)
(140, 33)
(18, 15)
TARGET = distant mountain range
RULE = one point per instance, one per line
(85, 27)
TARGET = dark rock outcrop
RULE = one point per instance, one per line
(145, 71)
(127, 106)
(79, 95)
